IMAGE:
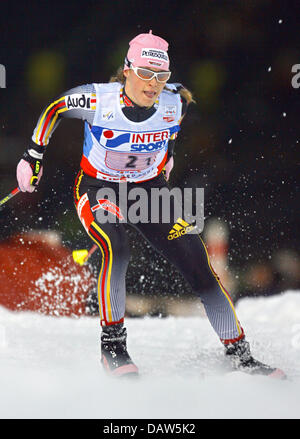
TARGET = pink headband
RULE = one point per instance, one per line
(147, 50)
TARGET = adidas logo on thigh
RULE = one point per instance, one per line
(179, 229)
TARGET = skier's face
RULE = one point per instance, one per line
(143, 92)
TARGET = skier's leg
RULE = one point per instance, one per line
(112, 241)
(188, 254)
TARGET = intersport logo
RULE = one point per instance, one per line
(126, 141)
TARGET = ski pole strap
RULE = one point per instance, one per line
(36, 167)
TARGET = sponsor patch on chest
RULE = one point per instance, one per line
(170, 113)
(107, 114)
(130, 141)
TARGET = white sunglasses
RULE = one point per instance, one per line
(147, 75)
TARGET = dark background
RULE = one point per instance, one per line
(240, 140)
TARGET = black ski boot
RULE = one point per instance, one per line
(241, 359)
(114, 355)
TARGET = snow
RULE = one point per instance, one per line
(50, 367)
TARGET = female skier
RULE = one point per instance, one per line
(130, 128)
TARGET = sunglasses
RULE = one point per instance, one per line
(147, 75)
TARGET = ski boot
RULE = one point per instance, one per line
(114, 355)
(241, 359)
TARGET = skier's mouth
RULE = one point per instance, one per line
(150, 94)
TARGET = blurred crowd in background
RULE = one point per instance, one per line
(240, 141)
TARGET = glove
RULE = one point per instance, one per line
(168, 167)
(29, 171)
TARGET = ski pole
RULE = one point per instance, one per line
(82, 256)
(9, 196)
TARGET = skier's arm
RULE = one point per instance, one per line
(77, 103)
(171, 145)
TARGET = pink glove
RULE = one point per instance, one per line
(24, 174)
(168, 167)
